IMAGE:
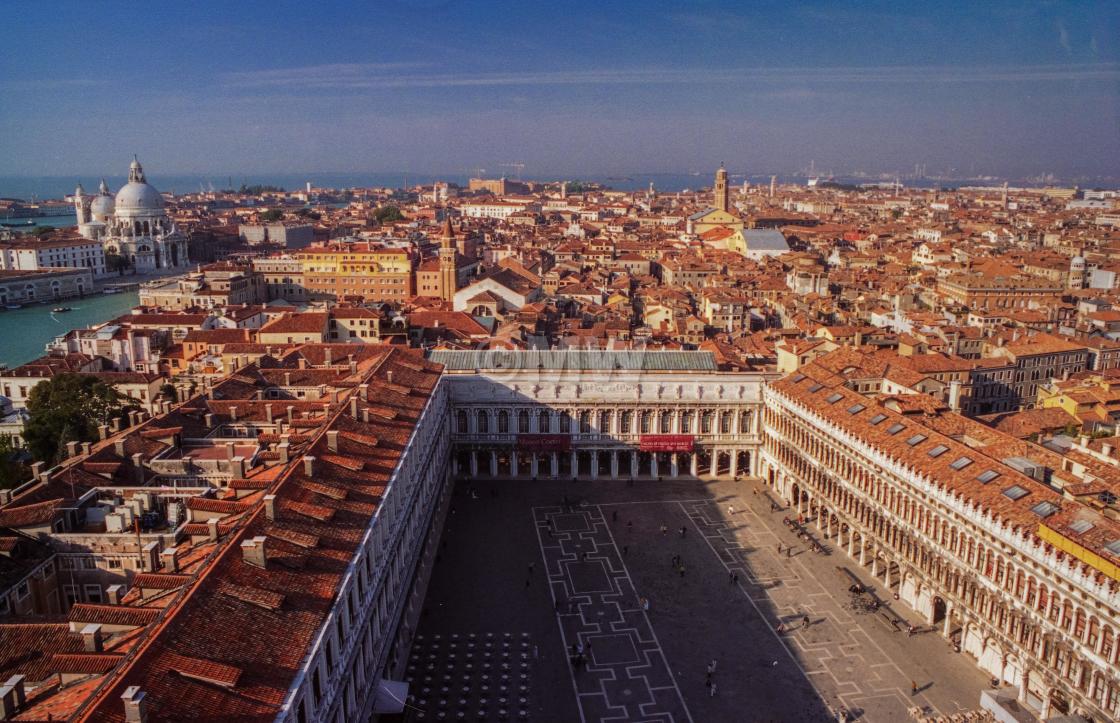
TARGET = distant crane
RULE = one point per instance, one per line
(517, 166)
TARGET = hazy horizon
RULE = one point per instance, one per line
(1006, 89)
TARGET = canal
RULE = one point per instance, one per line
(25, 332)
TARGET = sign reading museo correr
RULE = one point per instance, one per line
(544, 442)
(666, 443)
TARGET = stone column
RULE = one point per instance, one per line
(474, 463)
(594, 457)
(734, 463)
(693, 465)
(947, 628)
(1023, 685)
(673, 469)
(493, 464)
(862, 552)
(875, 563)
(653, 465)
(614, 464)
(513, 470)
(555, 470)
(851, 543)
(715, 462)
(633, 464)
(575, 463)
(887, 577)
(534, 465)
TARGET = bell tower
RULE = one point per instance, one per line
(448, 274)
(722, 193)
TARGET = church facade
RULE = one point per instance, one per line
(133, 224)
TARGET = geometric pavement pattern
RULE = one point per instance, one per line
(626, 676)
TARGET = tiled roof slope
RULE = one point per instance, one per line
(219, 631)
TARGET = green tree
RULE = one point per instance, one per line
(388, 214)
(272, 214)
(116, 262)
(13, 472)
(69, 408)
(169, 393)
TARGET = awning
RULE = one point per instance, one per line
(391, 695)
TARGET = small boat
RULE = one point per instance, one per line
(110, 290)
(13, 307)
(60, 309)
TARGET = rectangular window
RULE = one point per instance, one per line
(938, 451)
(1044, 509)
(895, 428)
(816, 387)
(960, 463)
(986, 476)
(834, 397)
(856, 409)
(878, 419)
(1015, 492)
(916, 440)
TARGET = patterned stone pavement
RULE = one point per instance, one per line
(619, 671)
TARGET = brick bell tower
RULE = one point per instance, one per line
(448, 274)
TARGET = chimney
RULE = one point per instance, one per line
(103, 431)
(135, 705)
(238, 470)
(37, 469)
(138, 463)
(115, 424)
(291, 414)
(150, 557)
(170, 559)
(354, 406)
(270, 506)
(86, 448)
(389, 376)
(1106, 450)
(253, 550)
(114, 593)
(268, 412)
(208, 420)
(212, 529)
(955, 395)
(12, 697)
(303, 362)
(365, 415)
(309, 466)
(285, 449)
(118, 446)
(231, 450)
(233, 413)
(287, 379)
(91, 638)
(332, 440)
(327, 356)
(1083, 440)
(353, 367)
(363, 391)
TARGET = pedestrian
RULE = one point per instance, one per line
(729, 576)
(614, 515)
(781, 627)
(629, 525)
(779, 548)
(682, 530)
(731, 509)
(531, 564)
(788, 553)
(913, 688)
(625, 549)
(712, 691)
(682, 570)
(664, 529)
(805, 621)
(712, 666)
(708, 679)
(526, 583)
(735, 579)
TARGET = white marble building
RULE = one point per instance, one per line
(133, 224)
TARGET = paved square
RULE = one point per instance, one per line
(572, 564)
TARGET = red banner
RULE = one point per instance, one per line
(544, 442)
(666, 443)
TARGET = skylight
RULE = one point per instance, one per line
(1080, 526)
(960, 463)
(1044, 509)
(916, 440)
(856, 409)
(938, 451)
(986, 476)
(878, 418)
(1113, 547)
(797, 377)
(895, 428)
(834, 397)
(1015, 492)
(816, 387)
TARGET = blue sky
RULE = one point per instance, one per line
(1014, 88)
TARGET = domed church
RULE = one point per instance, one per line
(134, 224)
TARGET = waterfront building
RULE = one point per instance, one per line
(133, 224)
(29, 287)
(56, 250)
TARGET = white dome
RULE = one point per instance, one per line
(138, 195)
(101, 207)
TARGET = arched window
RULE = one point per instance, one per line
(725, 423)
(686, 422)
(644, 423)
(745, 420)
(523, 422)
(604, 422)
(666, 422)
(624, 423)
(706, 422)
(542, 422)
(565, 423)
(584, 422)
(503, 422)
(483, 422)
